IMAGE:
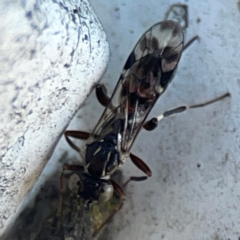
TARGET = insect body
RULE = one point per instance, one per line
(148, 71)
(146, 75)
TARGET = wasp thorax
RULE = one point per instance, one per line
(102, 158)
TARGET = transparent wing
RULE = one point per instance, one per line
(145, 76)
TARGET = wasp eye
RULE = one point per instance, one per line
(105, 193)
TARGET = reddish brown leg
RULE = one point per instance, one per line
(135, 179)
(78, 135)
(73, 167)
(150, 124)
(101, 94)
(102, 97)
(118, 190)
(141, 164)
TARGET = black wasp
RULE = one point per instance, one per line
(147, 73)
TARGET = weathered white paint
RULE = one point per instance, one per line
(51, 54)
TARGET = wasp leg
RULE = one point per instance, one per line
(118, 190)
(189, 42)
(102, 97)
(153, 123)
(62, 190)
(135, 179)
(101, 93)
(142, 166)
(74, 168)
(78, 135)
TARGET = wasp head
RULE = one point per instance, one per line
(93, 190)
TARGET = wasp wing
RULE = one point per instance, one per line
(145, 76)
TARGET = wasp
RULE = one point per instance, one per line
(146, 75)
